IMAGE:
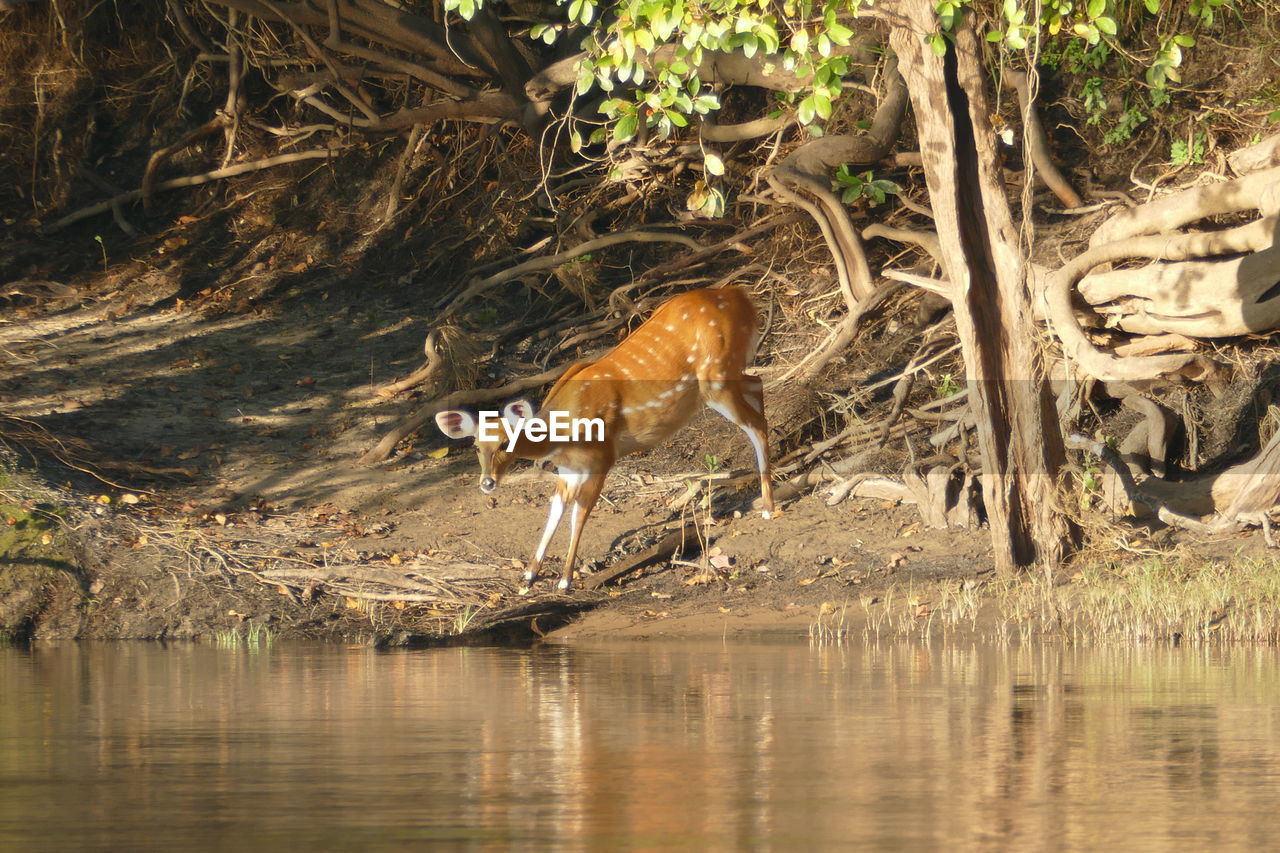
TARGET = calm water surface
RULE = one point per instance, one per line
(649, 746)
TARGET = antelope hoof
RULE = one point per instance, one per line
(564, 585)
(530, 576)
(766, 515)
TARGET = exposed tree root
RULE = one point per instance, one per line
(1038, 143)
(1261, 155)
(806, 172)
(1241, 496)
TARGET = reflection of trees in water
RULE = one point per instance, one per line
(669, 743)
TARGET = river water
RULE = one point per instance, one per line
(639, 746)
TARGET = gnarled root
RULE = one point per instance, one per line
(804, 175)
(1192, 287)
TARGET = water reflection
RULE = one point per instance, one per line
(646, 746)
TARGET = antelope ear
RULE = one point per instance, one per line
(456, 424)
(517, 411)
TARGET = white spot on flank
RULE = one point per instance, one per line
(711, 323)
(684, 316)
(626, 410)
(670, 328)
(717, 386)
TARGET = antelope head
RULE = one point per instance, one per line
(491, 444)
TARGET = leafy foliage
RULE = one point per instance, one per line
(649, 56)
(864, 186)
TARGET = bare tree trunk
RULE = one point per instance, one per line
(1018, 434)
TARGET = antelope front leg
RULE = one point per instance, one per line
(583, 498)
(554, 514)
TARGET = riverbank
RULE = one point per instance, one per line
(139, 567)
(197, 475)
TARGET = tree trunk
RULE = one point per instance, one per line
(1018, 433)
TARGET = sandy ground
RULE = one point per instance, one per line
(268, 410)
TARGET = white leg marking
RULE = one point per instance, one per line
(751, 436)
(553, 521)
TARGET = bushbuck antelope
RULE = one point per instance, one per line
(694, 349)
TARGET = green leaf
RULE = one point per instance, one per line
(1096, 8)
(1105, 25)
(995, 36)
(822, 105)
(806, 110)
(1153, 6)
(938, 45)
(586, 76)
(625, 128)
(712, 162)
(887, 186)
(1184, 40)
(946, 14)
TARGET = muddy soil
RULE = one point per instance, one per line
(243, 432)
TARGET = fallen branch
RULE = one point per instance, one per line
(161, 156)
(190, 181)
(477, 287)
(422, 374)
(674, 541)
